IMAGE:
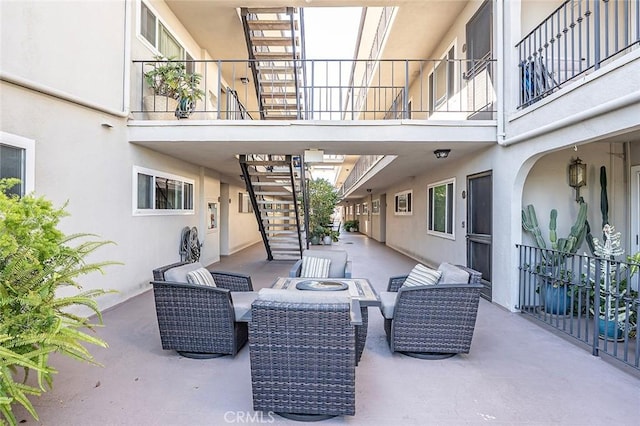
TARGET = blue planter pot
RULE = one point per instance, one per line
(608, 330)
(556, 299)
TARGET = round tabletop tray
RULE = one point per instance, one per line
(316, 285)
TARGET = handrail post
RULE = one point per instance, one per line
(596, 35)
(405, 97)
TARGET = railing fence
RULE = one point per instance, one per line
(593, 300)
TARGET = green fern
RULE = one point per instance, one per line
(36, 260)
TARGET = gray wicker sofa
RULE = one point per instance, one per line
(302, 352)
(199, 321)
(431, 321)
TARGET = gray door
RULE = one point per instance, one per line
(479, 226)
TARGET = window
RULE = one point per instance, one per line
(478, 35)
(17, 160)
(357, 209)
(375, 207)
(440, 208)
(244, 203)
(157, 34)
(365, 208)
(441, 81)
(161, 193)
(403, 203)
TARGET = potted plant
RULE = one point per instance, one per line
(555, 277)
(323, 199)
(38, 265)
(615, 312)
(351, 225)
(175, 91)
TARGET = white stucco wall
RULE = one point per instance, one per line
(243, 227)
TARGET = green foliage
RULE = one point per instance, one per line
(170, 78)
(37, 260)
(351, 224)
(323, 199)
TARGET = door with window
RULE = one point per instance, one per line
(479, 226)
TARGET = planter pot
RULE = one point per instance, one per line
(160, 107)
(326, 240)
(556, 299)
(352, 229)
(315, 240)
(607, 329)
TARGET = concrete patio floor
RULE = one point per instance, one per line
(517, 373)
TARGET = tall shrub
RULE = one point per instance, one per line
(37, 260)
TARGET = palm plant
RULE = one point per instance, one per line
(36, 261)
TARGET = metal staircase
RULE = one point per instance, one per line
(275, 184)
(275, 43)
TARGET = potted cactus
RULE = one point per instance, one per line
(556, 279)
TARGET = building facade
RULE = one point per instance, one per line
(515, 90)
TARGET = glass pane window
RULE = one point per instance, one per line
(402, 203)
(159, 36)
(168, 46)
(156, 192)
(145, 191)
(440, 208)
(148, 24)
(12, 165)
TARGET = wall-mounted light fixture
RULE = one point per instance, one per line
(577, 176)
(441, 153)
(244, 80)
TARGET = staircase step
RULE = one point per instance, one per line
(261, 10)
(263, 183)
(279, 95)
(277, 83)
(272, 24)
(274, 56)
(273, 41)
(273, 193)
(276, 69)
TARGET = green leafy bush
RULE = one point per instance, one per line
(37, 260)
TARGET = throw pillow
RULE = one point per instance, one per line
(315, 267)
(201, 276)
(451, 274)
(422, 275)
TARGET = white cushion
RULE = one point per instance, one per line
(179, 273)
(422, 275)
(315, 267)
(242, 301)
(303, 296)
(338, 260)
(388, 303)
(451, 274)
(201, 276)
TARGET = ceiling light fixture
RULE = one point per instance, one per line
(441, 153)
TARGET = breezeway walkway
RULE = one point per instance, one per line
(516, 373)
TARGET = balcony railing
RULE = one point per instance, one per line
(442, 89)
(576, 38)
(593, 300)
(360, 168)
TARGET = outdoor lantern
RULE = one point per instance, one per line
(577, 176)
(441, 153)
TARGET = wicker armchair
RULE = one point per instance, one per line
(200, 321)
(431, 321)
(302, 358)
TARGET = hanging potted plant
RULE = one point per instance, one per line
(174, 90)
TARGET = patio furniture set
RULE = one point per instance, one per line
(307, 332)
